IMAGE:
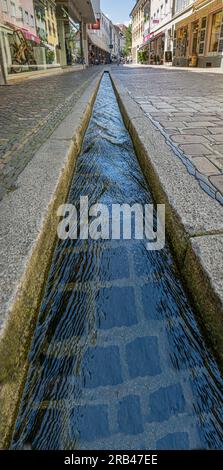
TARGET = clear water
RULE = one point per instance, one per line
(117, 360)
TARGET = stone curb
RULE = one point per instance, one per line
(194, 221)
(28, 225)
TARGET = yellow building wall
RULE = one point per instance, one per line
(51, 24)
(137, 29)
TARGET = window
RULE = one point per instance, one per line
(26, 17)
(216, 32)
(32, 20)
(202, 35)
(13, 10)
(4, 6)
(20, 14)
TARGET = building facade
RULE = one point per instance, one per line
(138, 27)
(198, 38)
(182, 32)
(17, 22)
(105, 40)
(99, 40)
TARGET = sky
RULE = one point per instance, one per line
(118, 10)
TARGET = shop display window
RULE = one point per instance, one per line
(216, 32)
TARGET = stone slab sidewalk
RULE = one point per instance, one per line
(29, 112)
(187, 109)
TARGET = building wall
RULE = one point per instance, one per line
(137, 28)
(51, 24)
(18, 13)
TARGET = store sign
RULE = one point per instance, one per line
(95, 26)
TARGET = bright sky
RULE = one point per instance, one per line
(118, 10)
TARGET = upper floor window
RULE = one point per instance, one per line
(26, 17)
(5, 6)
(13, 10)
(20, 13)
(31, 20)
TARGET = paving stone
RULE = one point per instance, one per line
(129, 415)
(196, 131)
(189, 139)
(195, 149)
(205, 166)
(142, 356)
(114, 264)
(150, 300)
(218, 137)
(116, 307)
(166, 402)
(172, 124)
(217, 181)
(216, 130)
(218, 148)
(107, 361)
(174, 441)
(89, 422)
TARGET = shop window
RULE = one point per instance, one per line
(204, 22)
(216, 32)
(182, 42)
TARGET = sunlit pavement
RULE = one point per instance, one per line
(29, 113)
(187, 108)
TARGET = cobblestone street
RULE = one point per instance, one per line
(29, 113)
(188, 109)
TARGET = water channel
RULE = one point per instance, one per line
(117, 360)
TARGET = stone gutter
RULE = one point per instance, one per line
(28, 224)
(194, 221)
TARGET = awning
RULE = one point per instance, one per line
(97, 41)
(150, 37)
(77, 9)
(29, 36)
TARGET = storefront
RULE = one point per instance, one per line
(97, 55)
(153, 48)
(198, 39)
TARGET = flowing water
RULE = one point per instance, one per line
(117, 360)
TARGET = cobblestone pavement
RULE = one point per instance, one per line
(117, 360)
(29, 113)
(188, 110)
